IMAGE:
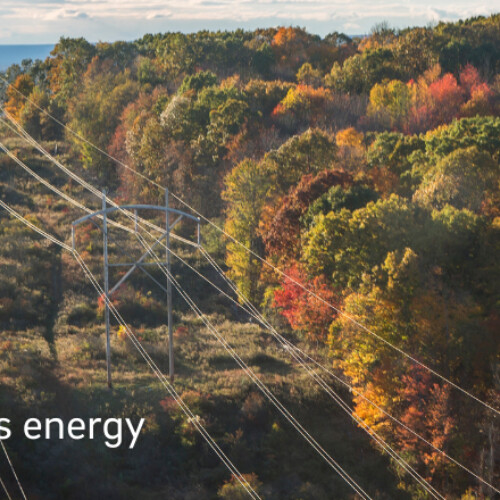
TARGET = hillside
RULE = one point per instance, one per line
(365, 171)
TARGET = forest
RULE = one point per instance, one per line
(357, 183)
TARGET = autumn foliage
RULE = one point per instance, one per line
(364, 169)
(307, 313)
(283, 235)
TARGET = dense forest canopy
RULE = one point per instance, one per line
(367, 169)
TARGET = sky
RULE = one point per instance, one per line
(44, 21)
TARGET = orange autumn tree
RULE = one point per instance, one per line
(22, 86)
(289, 42)
(427, 411)
(289, 47)
(352, 150)
(418, 314)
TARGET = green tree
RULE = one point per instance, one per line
(307, 75)
(361, 72)
(198, 81)
(307, 153)
(31, 116)
(70, 59)
(462, 179)
(393, 150)
(344, 244)
(482, 132)
(247, 188)
(95, 115)
(337, 198)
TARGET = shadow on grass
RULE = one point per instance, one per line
(266, 363)
(269, 364)
(222, 362)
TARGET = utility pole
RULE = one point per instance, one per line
(106, 288)
(169, 295)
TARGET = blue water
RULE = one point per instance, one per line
(10, 54)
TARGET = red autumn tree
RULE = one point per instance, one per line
(478, 93)
(447, 97)
(469, 79)
(305, 312)
(282, 236)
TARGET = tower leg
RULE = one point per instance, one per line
(106, 289)
(169, 298)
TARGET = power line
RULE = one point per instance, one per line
(163, 379)
(264, 261)
(41, 179)
(79, 136)
(71, 200)
(21, 132)
(48, 236)
(253, 311)
(349, 411)
(54, 189)
(6, 491)
(192, 418)
(262, 387)
(13, 470)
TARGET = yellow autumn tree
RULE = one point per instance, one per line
(246, 192)
(352, 151)
(390, 103)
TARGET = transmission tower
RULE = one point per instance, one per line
(169, 226)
